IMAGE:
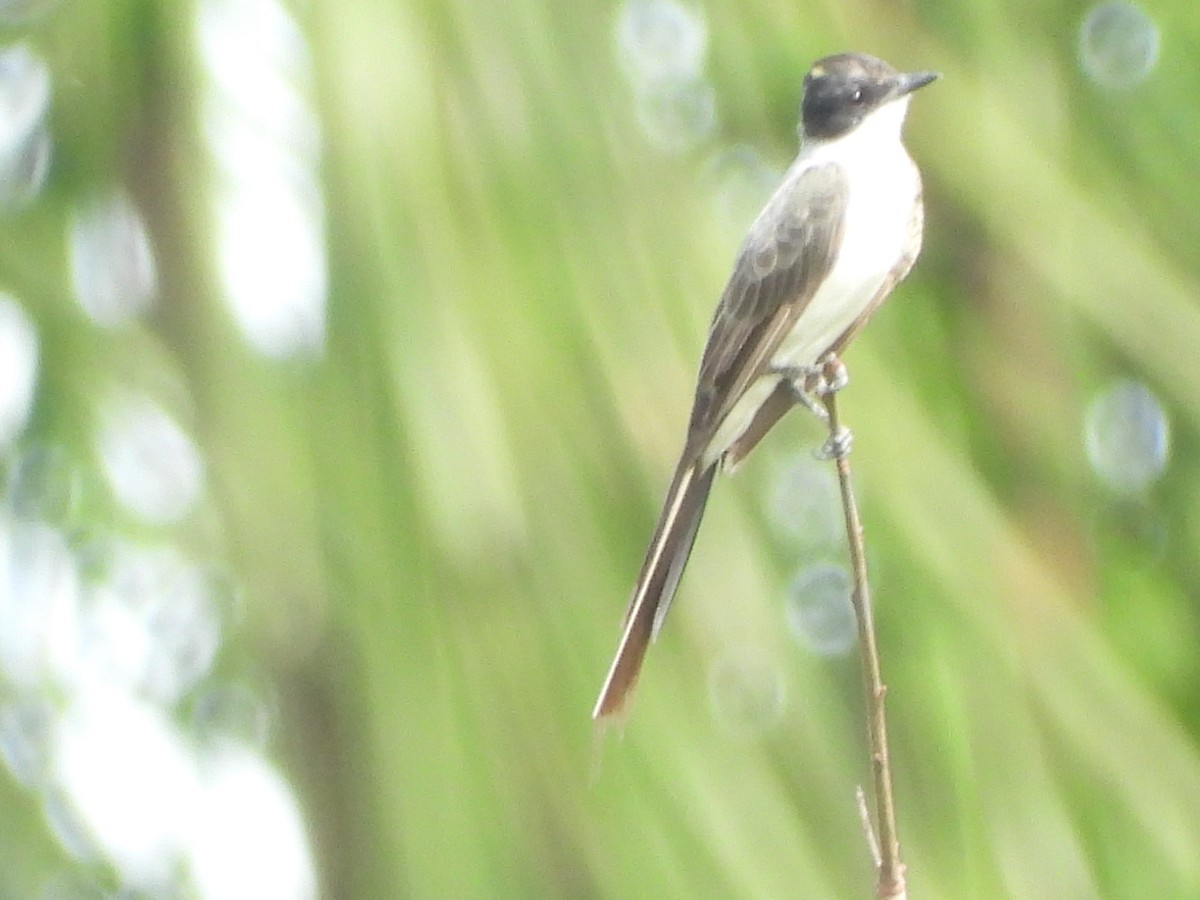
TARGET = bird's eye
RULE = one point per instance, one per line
(857, 96)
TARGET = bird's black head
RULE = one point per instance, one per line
(840, 91)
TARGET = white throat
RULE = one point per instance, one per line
(880, 128)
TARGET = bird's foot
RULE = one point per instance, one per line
(832, 375)
(811, 384)
(827, 378)
(837, 446)
(804, 383)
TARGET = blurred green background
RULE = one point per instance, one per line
(435, 509)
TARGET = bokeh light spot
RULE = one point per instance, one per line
(264, 139)
(272, 263)
(1127, 437)
(151, 464)
(1118, 45)
(660, 40)
(804, 504)
(130, 779)
(112, 264)
(247, 839)
(818, 609)
(24, 139)
(677, 115)
(746, 691)
(18, 369)
(39, 603)
(661, 45)
(152, 624)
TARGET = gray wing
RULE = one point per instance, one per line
(789, 251)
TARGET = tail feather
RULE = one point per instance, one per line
(665, 559)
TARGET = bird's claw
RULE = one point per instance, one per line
(811, 384)
(833, 375)
(809, 398)
(837, 446)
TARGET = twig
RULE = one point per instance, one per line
(890, 883)
(864, 816)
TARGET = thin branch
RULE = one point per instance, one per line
(890, 883)
(864, 816)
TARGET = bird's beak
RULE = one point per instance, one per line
(907, 82)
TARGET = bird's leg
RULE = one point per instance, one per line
(832, 377)
(833, 374)
(810, 385)
(805, 385)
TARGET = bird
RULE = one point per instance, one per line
(843, 228)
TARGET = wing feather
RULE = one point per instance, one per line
(789, 251)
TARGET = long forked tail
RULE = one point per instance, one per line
(667, 555)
